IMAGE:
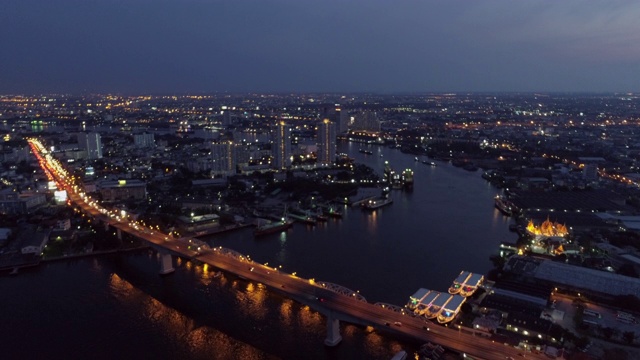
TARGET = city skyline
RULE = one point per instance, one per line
(286, 46)
(258, 199)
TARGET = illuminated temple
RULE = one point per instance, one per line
(547, 228)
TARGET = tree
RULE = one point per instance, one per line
(466, 308)
(581, 342)
(497, 261)
(629, 336)
(608, 332)
(343, 176)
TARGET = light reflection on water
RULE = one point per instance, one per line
(118, 304)
(372, 222)
(200, 341)
(285, 312)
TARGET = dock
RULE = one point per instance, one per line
(363, 195)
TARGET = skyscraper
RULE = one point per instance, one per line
(226, 117)
(342, 119)
(92, 144)
(223, 158)
(337, 114)
(282, 146)
(326, 143)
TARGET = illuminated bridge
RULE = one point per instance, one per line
(336, 302)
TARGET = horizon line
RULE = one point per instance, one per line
(387, 93)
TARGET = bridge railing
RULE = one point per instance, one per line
(396, 308)
(402, 310)
(339, 289)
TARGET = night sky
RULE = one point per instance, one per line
(200, 46)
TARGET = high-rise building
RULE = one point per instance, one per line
(338, 115)
(144, 140)
(326, 143)
(226, 117)
(342, 119)
(223, 158)
(91, 143)
(282, 146)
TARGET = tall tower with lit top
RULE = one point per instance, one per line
(326, 142)
(282, 146)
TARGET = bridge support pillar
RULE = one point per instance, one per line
(333, 331)
(119, 234)
(106, 226)
(166, 264)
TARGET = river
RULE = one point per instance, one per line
(116, 306)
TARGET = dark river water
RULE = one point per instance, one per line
(119, 307)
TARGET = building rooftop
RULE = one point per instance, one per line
(533, 294)
(122, 183)
(588, 279)
(509, 305)
(530, 322)
(597, 200)
(198, 218)
(571, 219)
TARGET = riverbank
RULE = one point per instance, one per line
(14, 268)
(95, 253)
(221, 230)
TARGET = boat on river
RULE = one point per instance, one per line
(332, 212)
(459, 282)
(303, 218)
(272, 227)
(503, 205)
(451, 309)
(376, 203)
